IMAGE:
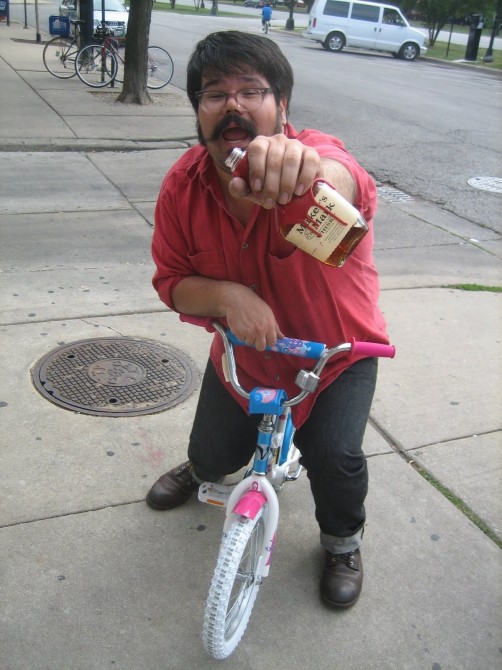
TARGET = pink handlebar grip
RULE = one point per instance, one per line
(373, 349)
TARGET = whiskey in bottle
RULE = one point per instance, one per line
(321, 222)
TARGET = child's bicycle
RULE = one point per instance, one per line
(252, 507)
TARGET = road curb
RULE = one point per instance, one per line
(47, 144)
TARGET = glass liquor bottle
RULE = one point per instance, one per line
(321, 222)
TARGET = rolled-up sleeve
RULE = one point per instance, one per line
(169, 243)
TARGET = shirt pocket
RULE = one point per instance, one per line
(299, 277)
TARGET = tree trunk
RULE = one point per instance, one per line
(134, 90)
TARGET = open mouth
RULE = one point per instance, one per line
(235, 135)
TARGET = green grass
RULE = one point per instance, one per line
(186, 9)
(475, 287)
(224, 9)
(460, 505)
(457, 52)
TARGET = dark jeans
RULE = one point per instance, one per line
(223, 440)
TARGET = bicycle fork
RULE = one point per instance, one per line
(247, 499)
(254, 492)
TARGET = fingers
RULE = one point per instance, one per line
(278, 169)
(265, 339)
(258, 334)
(251, 319)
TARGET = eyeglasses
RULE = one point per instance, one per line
(248, 99)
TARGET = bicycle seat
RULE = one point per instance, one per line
(77, 21)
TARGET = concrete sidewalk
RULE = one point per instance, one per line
(94, 579)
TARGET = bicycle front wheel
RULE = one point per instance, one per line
(59, 57)
(234, 586)
(96, 65)
(160, 68)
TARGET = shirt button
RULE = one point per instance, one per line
(252, 287)
(276, 378)
(245, 245)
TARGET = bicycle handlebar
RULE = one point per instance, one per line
(298, 347)
(289, 346)
(306, 380)
(372, 349)
(285, 345)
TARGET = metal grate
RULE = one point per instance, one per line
(391, 194)
(115, 376)
(491, 184)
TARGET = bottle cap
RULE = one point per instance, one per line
(234, 157)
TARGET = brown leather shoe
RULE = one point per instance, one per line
(173, 489)
(342, 579)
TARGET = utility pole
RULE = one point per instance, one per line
(488, 57)
(37, 22)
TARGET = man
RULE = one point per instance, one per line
(266, 15)
(218, 253)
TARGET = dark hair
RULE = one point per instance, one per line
(232, 52)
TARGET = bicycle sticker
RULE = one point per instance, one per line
(296, 347)
(267, 395)
(290, 345)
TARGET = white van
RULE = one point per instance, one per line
(367, 25)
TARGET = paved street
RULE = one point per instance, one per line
(91, 577)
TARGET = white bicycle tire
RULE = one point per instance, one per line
(228, 609)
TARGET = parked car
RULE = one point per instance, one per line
(367, 25)
(116, 15)
(253, 3)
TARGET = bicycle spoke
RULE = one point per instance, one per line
(160, 67)
(235, 585)
(120, 60)
(96, 65)
(59, 57)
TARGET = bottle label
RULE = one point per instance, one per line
(325, 225)
(316, 222)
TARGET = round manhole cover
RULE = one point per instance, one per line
(491, 184)
(115, 376)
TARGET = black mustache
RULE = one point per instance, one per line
(236, 121)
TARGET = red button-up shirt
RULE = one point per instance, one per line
(195, 234)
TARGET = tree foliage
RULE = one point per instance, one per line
(134, 90)
(436, 14)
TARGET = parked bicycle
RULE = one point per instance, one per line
(102, 63)
(96, 64)
(252, 507)
(60, 53)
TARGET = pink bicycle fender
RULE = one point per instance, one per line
(250, 504)
(373, 349)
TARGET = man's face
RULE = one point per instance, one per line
(233, 125)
